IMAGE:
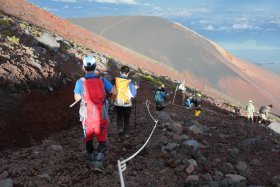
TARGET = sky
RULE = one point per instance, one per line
(236, 25)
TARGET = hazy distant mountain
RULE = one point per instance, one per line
(198, 58)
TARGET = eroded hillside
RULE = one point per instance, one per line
(44, 142)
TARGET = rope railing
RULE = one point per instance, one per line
(122, 164)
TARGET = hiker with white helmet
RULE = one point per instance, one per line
(91, 90)
(183, 90)
(250, 110)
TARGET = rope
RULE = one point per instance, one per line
(121, 164)
(160, 105)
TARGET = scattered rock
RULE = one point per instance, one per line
(207, 177)
(235, 178)
(170, 146)
(163, 116)
(192, 143)
(193, 162)
(275, 181)
(241, 166)
(255, 162)
(176, 128)
(4, 175)
(47, 40)
(190, 169)
(56, 147)
(192, 179)
(251, 143)
(184, 137)
(6, 182)
(228, 168)
(196, 129)
(275, 127)
(45, 176)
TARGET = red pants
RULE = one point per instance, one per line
(99, 131)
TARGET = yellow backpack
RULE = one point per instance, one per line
(123, 98)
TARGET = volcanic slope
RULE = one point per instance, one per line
(215, 149)
(200, 60)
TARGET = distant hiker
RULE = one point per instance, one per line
(264, 112)
(194, 102)
(160, 98)
(123, 100)
(183, 90)
(91, 91)
(237, 110)
(250, 111)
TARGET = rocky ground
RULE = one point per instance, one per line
(41, 138)
(211, 150)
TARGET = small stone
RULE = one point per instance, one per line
(192, 143)
(190, 169)
(176, 128)
(240, 166)
(56, 147)
(275, 181)
(170, 146)
(255, 162)
(193, 162)
(45, 176)
(235, 178)
(196, 129)
(4, 175)
(192, 178)
(6, 182)
(184, 137)
(228, 168)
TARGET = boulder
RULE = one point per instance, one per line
(6, 182)
(48, 41)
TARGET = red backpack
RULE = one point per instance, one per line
(92, 109)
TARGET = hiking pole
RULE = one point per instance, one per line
(74, 103)
(135, 115)
(174, 94)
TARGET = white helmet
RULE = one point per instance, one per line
(89, 61)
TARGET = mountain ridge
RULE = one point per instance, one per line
(222, 71)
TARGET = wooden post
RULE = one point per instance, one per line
(174, 94)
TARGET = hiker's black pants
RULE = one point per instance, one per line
(100, 149)
(159, 107)
(123, 114)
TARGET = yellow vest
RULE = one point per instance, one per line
(123, 98)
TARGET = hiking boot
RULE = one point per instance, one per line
(91, 162)
(98, 166)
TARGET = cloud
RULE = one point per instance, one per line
(157, 8)
(209, 28)
(65, 7)
(129, 2)
(66, 1)
(213, 28)
(277, 22)
(241, 26)
(51, 9)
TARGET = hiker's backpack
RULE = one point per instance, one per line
(188, 103)
(262, 110)
(93, 107)
(197, 100)
(123, 98)
(159, 99)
